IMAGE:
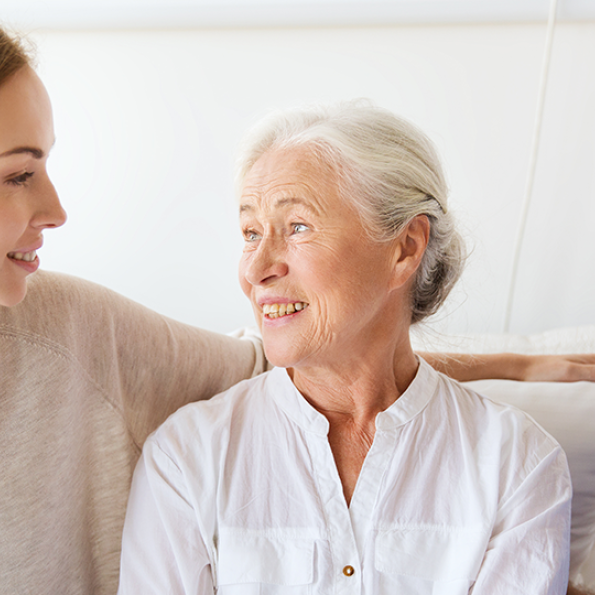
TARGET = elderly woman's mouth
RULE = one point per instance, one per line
(278, 310)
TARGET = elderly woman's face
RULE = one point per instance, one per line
(318, 284)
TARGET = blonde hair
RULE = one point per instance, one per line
(388, 168)
(13, 56)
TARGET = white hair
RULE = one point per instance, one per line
(387, 167)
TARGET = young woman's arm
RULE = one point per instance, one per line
(574, 590)
(514, 366)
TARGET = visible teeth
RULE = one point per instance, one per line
(26, 256)
(278, 310)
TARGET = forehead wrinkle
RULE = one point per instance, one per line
(286, 199)
(295, 200)
(280, 180)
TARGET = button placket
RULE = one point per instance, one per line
(363, 504)
(344, 552)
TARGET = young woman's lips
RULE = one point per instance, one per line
(25, 259)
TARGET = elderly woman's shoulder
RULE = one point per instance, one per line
(491, 419)
(237, 414)
(240, 405)
(501, 437)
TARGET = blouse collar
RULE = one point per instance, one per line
(418, 394)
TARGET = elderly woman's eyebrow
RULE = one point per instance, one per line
(294, 200)
(282, 202)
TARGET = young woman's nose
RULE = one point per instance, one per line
(48, 209)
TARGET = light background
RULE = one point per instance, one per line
(148, 120)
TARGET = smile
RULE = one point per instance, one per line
(278, 310)
(26, 256)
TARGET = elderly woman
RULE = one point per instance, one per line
(352, 467)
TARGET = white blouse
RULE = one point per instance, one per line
(241, 495)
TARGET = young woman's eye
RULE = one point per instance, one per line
(21, 179)
(299, 227)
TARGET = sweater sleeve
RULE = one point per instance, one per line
(146, 365)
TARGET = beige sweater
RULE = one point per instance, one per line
(86, 375)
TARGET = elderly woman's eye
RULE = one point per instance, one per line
(298, 227)
(250, 235)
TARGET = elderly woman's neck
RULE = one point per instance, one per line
(350, 396)
(358, 388)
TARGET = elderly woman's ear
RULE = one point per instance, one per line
(410, 247)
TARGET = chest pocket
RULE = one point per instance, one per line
(436, 561)
(255, 565)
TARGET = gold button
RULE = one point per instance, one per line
(348, 571)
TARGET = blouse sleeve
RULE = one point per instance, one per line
(528, 552)
(162, 547)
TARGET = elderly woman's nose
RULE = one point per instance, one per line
(267, 264)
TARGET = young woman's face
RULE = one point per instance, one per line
(28, 200)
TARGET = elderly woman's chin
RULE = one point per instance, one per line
(285, 350)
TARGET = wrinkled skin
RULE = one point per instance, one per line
(305, 243)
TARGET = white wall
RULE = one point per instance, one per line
(161, 14)
(147, 124)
